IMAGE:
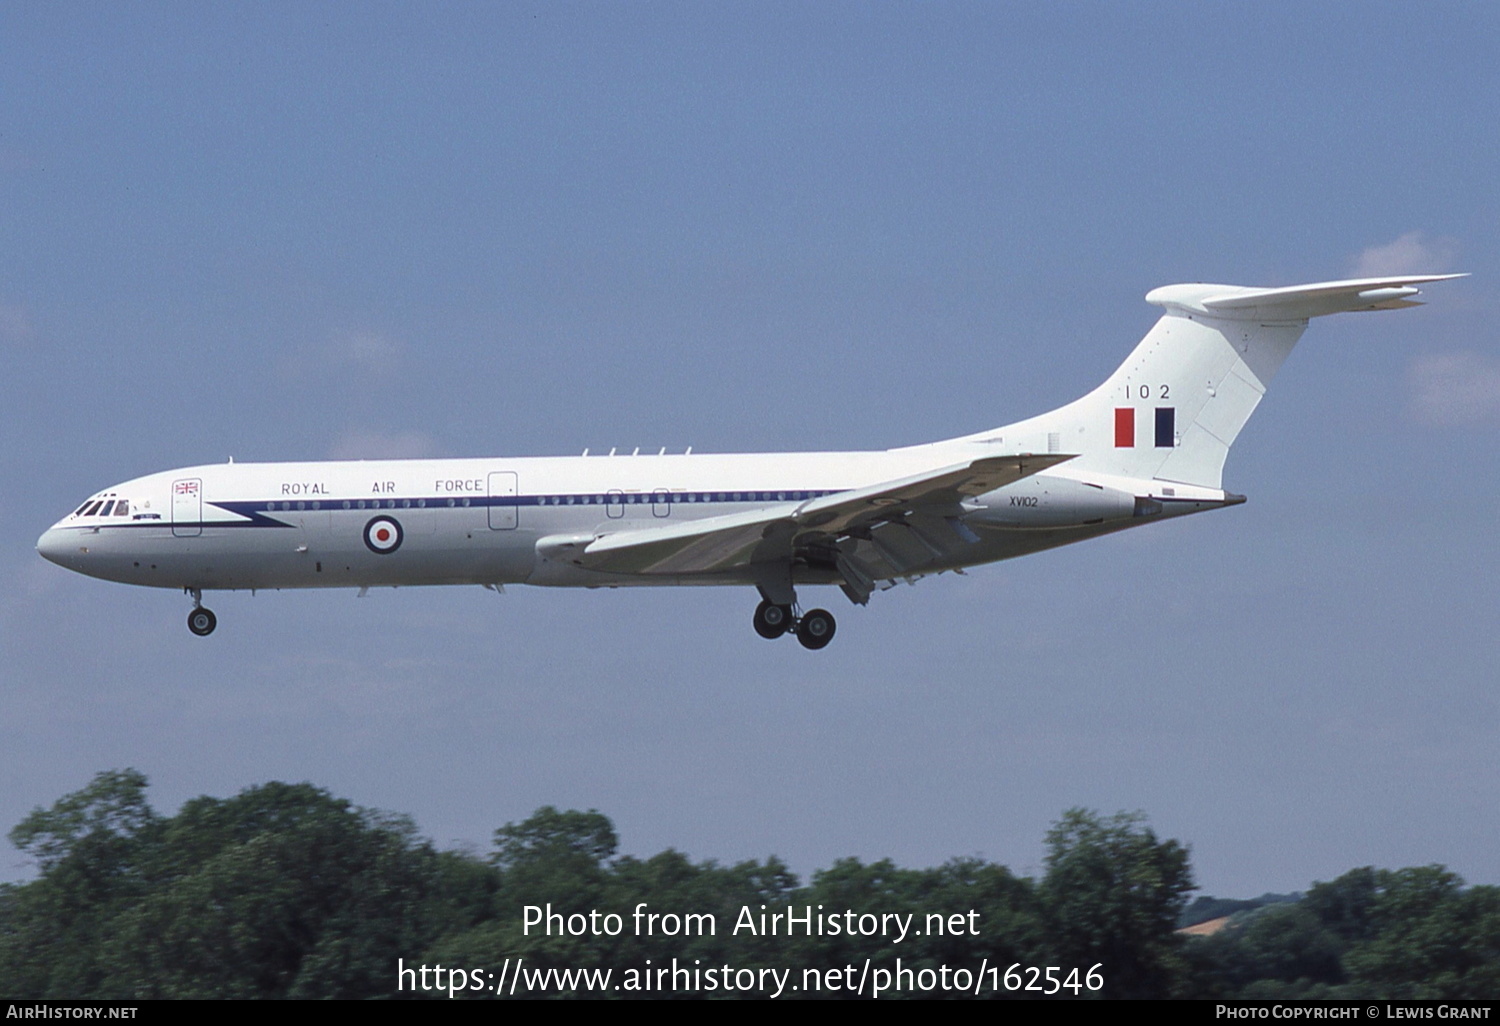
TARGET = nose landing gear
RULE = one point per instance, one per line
(813, 629)
(201, 619)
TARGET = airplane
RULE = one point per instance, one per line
(1147, 445)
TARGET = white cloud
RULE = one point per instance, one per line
(375, 354)
(348, 359)
(1451, 389)
(359, 444)
(1412, 253)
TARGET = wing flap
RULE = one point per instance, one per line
(695, 547)
(771, 533)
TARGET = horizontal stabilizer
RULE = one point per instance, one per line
(1294, 302)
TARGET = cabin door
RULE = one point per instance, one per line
(187, 508)
(503, 498)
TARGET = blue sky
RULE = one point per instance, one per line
(313, 231)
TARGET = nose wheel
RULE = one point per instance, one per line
(814, 629)
(201, 619)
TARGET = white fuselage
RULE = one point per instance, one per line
(479, 521)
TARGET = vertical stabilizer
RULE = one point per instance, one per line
(1179, 402)
(1175, 406)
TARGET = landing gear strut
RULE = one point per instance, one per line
(201, 619)
(813, 629)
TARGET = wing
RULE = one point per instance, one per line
(774, 533)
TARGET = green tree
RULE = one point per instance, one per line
(1111, 896)
(1431, 939)
(91, 847)
(281, 891)
(581, 838)
(1346, 905)
(566, 859)
(112, 808)
(556, 858)
(1282, 943)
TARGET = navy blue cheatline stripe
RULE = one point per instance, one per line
(264, 513)
(249, 510)
(615, 498)
(138, 525)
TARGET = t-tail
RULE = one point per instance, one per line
(1175, 406)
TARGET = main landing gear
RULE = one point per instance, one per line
(813, 629)
(201, 619)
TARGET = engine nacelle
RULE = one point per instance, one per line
(1051, 502)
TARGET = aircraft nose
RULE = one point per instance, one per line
(51, 545)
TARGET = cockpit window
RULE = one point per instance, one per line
(93, 508)
(107, 507)
(79, 511)
(122, 508)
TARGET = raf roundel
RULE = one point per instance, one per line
(383, 535)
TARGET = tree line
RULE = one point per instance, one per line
(287, 891)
